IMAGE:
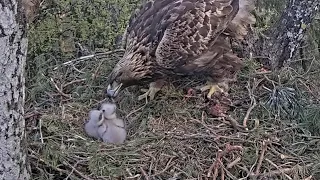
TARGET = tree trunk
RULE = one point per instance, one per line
(286, 36)
(13, 51)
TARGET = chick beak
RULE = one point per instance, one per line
(113, 89)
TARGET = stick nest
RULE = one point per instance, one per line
(172, 137)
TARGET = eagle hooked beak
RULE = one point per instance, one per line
(113, 89)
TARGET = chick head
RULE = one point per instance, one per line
(95, 116)
(109, 110)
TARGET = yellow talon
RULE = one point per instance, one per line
(213, 89)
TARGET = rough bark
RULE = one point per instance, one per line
(285, 38)
(13, 49)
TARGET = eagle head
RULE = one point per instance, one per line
(132, 69)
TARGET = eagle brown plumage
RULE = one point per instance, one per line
(181, 37)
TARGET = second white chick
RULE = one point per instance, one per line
(91, 127)
(112, 130)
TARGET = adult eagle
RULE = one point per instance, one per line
(181, 37)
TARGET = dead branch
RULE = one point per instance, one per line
(279, 171)
(72, 82)
(233, 163)
(218, 162)
(276, 166)
(264, 147)
(234, 123)
(60, 91)
(253, 105)
(144, 173)
(75, 170)
(84, 58)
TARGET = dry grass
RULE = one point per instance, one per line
(173, 136)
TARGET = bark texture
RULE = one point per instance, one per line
(285, 38)
(13, 49)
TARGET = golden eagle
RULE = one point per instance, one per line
(167, 38)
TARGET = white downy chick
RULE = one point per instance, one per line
(91, 127)
(112, 130)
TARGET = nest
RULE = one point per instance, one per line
(171, 137)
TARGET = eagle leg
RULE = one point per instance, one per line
(221, 87)
(154, 87)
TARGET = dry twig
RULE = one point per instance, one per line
(274, 165)
(253, 105)
(218, 162)
(144, 173)
(83, 58)
(264, 148)
(233, 163)
(75, 170)
(59, 89)
(279, 171)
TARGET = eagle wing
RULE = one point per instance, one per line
(175, 32)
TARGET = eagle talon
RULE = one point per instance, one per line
(154, 87)
(151, 93)
(213, 88)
